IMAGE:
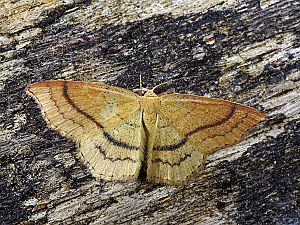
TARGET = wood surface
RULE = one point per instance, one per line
(242, 51)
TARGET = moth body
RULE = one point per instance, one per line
(150, 105)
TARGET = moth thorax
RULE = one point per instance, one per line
(150, 108)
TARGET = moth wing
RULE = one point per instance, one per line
(79, 109)
(190, 127)
(209, 123)
(104, 120)
(172, 159)
(118, 153)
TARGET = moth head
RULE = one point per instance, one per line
(150, 94)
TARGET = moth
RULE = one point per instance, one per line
(119, 133)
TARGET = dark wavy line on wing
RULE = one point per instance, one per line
(103, 153)
(198, 129)
(76, 107)
(118, 143)
(186, 156)
(171, 147)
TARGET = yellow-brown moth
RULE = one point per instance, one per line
(120, 133)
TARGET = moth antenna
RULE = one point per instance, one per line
(169, 81)
(140, 90)
(159, 85)
(141, 86)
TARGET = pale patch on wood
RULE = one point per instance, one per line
(275, 49)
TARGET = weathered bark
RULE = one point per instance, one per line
(245, 51)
